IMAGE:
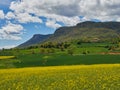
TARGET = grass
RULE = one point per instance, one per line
(34, 57)
(35, 60)
(8, 61)
(80, 77)
(58, 60)
(92, 50)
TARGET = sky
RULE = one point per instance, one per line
(21, 19)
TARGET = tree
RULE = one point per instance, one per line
(32, 52)
(85, 52)
(79, 42)
(71, 50)
(50, 50)
(42, 51)
(66, 45)
(111, 48)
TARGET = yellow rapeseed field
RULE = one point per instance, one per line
(79, 77)
(6, 57)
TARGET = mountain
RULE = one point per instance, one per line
(88, 31)
(37, 38)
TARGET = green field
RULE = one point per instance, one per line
(83, 54)
(80, 77)
(35, 60)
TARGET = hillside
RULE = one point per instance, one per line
(37, 38)
(88, 31)
(85, 32)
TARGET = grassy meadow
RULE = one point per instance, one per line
(35, 60)
(83, 54)
(79, 77)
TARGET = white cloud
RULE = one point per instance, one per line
(11, 31)
(67, 11)
(53, 10)
(52, 24)
(1, 14)
(25, 17)
(104, 10)
(10, 15)
(118, 19)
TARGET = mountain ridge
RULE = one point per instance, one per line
(37, 38)
(88, 31)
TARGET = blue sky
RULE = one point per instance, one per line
(21, 19)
